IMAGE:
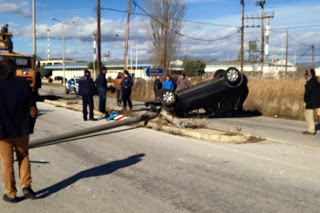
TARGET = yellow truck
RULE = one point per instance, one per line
(25, 63)
(25, 68)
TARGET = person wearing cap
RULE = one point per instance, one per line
(101, 84)
(18, 113)
(311, 99)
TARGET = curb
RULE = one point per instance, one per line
(223, 138)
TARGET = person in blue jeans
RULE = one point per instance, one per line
(101, 84)
(168, 83)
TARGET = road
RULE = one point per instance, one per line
(141, 170)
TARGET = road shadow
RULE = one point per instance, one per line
(101, 170)
(49, 97)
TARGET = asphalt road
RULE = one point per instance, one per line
(141, 170)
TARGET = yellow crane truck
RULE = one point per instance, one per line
(25, 63)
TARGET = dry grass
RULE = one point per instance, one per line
(282, 97)
(273, 97)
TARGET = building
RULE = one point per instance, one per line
(54, 62)
(271, 67)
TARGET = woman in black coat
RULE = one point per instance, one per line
(311, 99)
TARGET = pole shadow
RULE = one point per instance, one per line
(101, 170)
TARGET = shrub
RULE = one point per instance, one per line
(194, 67)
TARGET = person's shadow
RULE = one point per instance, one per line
(104, 169)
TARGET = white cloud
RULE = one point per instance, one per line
(17, 8)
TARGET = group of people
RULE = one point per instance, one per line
(170, 84)
(312, 100)
(89, 88)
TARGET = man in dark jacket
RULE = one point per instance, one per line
(126, 88)
(18, 113)
(157, 86)
(311, 99)
(101, 84)
(87, 90)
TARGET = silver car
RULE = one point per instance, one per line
(72, 85)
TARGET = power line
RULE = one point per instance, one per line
(307, 45)
(303, 54)
(183, 35)
(184, 20)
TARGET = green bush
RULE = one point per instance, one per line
(194, 67)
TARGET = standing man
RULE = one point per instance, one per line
(183, 82)
(311, 99)
(4, 30)
(18, 114)
(101, 84)
(117, 84)
(87, 90)
(157, 86)
(126, 88)
(168, 83)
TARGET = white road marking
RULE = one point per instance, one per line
(294, 144)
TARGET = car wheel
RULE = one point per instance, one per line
(167, 97)
(233, 77)
(218, 74)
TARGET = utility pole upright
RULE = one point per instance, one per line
(34, 33)
(262, 34)
(99, 36)
(312, 47)
(127, 36)
(242, 36)
(287, 51)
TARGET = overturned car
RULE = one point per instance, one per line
(225, 92)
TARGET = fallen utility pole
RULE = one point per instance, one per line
(55, 139)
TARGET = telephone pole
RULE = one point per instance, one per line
(34, 33)
(312, 47)
(98, 36)
(287, 51)
(127, 36)
(261, 3)
(242, 36)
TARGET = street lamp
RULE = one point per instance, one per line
(63, 49)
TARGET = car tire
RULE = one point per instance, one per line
(67, 91)
(218, 74)
(233, 77)
(167, 97)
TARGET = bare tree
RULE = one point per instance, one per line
(165, 26)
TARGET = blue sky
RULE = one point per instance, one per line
(288, 13)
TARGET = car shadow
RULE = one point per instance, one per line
(101, 170)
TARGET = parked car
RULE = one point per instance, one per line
(226, 91)
(72, 85)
